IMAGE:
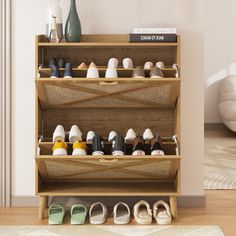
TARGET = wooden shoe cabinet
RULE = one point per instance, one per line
(103, 105)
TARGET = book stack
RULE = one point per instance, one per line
(148, 35)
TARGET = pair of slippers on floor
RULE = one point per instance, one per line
(97, 214)
(121, 212)
(56, 213)
(143, 213)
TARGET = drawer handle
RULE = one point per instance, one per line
(108, 161)
(104, 83)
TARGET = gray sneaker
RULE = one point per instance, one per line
(138, 72)
(156, 73)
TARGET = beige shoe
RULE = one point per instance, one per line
(156, 73)
(162, 213)
(143, 213)
(97, 213)
(148, 65)
(138, 73)
(82, 66)
(121, 213)
(176, 67)
(160, 65)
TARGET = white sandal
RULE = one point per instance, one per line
(121, 213)
(97, 213)
(142, 213)
(162, 215)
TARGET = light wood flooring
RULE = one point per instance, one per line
(220, 210)
(220, 157)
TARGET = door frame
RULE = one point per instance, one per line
(5, 103)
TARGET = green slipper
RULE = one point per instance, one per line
(78, 214)
(56, 213)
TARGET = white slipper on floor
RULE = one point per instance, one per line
(97, 213)
(162, 213)
(121, 213)
(142, 213)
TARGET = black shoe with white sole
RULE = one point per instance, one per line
(156, 149)
(118, 146)
(98, 145)
(139, 147)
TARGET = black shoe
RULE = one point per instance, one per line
(156, 149)
(118, 146)
(61, 63)
(52, 61)
(54, 72)
(97, 145)
(139, 147)
(68, 71)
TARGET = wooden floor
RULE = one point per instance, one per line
(220, 210)
(220, 157)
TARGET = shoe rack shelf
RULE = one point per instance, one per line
(103, 105)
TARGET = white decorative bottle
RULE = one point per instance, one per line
(54, 10)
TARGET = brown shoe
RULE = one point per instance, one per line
(156, 73)
(139, 147)
(156, 149)
(138, 73)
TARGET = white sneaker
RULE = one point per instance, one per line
(113, 63)
(92, 72)
(130, 135)
(75, 134)
(59, 148)
(90, 136)
(148, 135)
(111, 136)
(59, 134)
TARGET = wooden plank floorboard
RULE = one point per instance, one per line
(220, 210)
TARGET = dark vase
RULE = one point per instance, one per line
(73, 26)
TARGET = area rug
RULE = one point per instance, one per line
(111, 231)
(220, 160)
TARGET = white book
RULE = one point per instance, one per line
(154, 31)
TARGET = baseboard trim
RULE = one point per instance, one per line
(24, 201)
(214, 125)
(183, 201)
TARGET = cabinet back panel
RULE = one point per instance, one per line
(100, 56)
(102, 121)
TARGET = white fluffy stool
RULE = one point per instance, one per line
(227, 102)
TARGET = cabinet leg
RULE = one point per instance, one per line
(43, 201)
(173, 206)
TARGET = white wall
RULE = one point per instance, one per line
(220, 51)
(106, 16)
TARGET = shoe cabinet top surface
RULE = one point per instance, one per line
(102, 40)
